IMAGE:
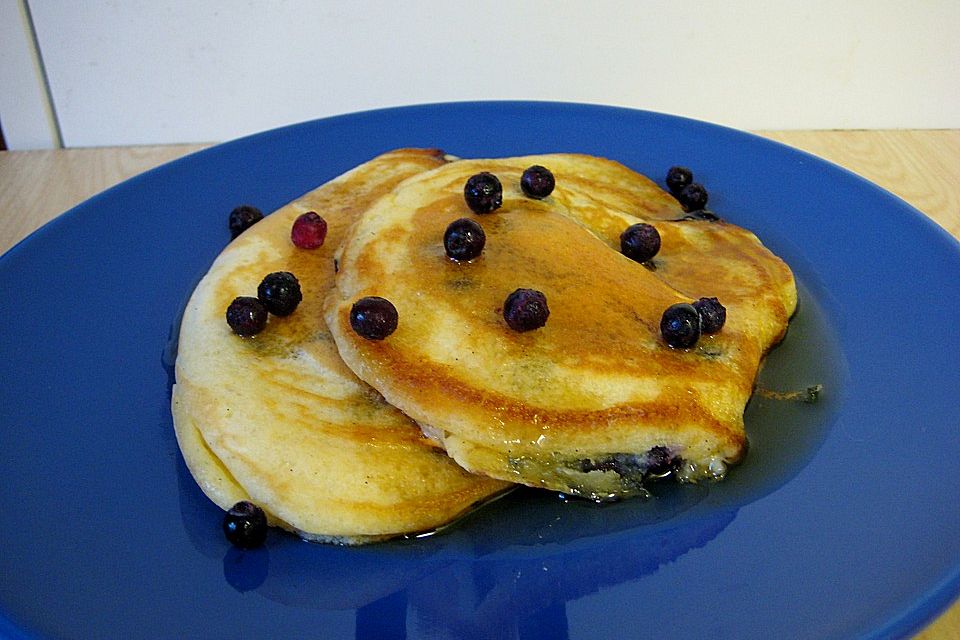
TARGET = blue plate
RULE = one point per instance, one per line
(841, 523)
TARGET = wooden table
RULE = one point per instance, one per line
(922, 167)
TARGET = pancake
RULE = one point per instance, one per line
(594, 403)
(279, 420)
(699, 258)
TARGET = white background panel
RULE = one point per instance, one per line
(140, 71)
(24, 110)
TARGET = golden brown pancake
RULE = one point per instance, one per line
(278, 419)
(594, 402)
(699, 258)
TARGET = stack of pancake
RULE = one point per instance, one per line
(346, 439)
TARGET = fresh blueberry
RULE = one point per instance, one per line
(280, 293)
(246, 316)
(464, 239)
(693, 197)
(245, 525)
(483, 192)
(640, 242)
(309, 231)
(525, 310)
(678, 178)
(680, 325)
(373, 317)
(242, 218)
(712, 314)
(537, 182)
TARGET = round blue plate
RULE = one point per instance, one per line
(841, 523)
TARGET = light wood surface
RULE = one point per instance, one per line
(922, 167)
(37, 186)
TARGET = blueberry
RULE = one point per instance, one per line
(242, 218)
(373, 317)
(680, 325)
(309, 231)
(693, 197)
(525, 310)
(537, 182)
(280, 293)
(587, 465)
(656, 463)
(245, 525)
(640, 242)
(464, 239)
(678, 178)
(246, 316)
(623, 464)
(483, 192)
(661, 461)
(712, 314)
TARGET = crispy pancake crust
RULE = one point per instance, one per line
(556, 406)
(279, 419)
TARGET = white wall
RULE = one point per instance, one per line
(26, 116)
(143, 71)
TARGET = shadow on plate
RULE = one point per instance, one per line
(485, 580)
(548, 546)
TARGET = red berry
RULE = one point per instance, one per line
(309, 231)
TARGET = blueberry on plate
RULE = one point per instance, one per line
(245, 525)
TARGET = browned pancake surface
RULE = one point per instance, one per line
(279, 419)
(597, 380)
